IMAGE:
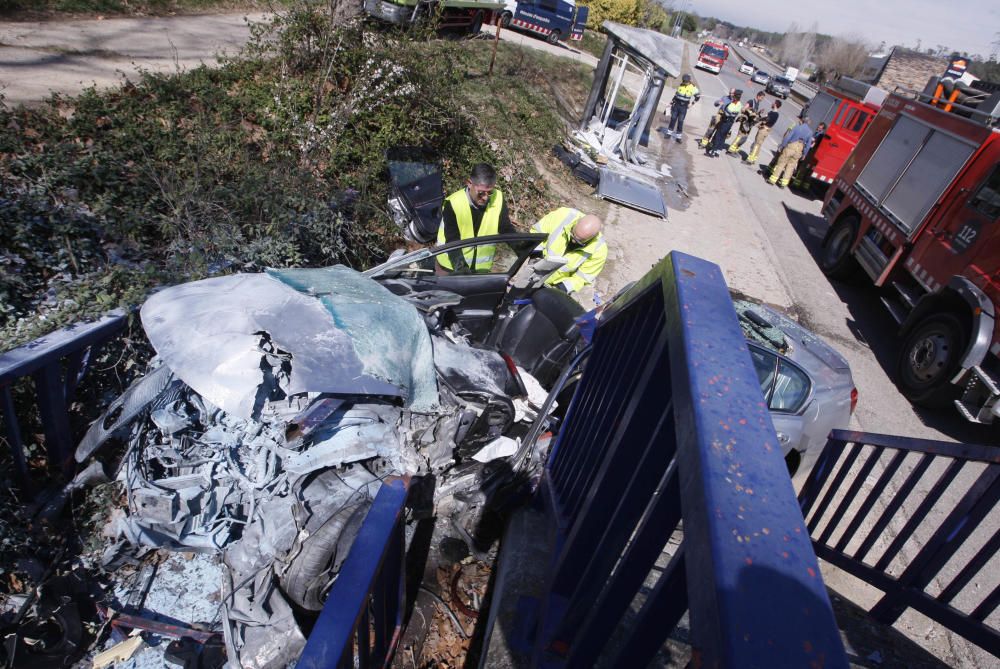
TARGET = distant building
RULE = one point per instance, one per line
(902, 68)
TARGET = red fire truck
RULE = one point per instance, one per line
(712, 56)
(917, 208)
(847, 107)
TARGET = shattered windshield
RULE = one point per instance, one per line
(389, 336)
(246, 339)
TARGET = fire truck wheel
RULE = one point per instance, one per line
(505, 20)
(929, 358)
(477, 24)
(835, 257)
(553, 37)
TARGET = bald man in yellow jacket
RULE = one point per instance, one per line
(577, 237)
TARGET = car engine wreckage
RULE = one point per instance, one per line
(275, 407)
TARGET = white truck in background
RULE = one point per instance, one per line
(792, 73)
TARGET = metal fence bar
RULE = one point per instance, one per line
(605, 367)
(633, 417)
(849, 497)
(629, 476)
(51, 392)
(988, 606)
(736, 540)
(930, 499)
(591, 633)
(747, 551)
(565, 462)
(948, 538)
(13, 432)
(57, 362)
(870, 499)
(964, 577)
(332, 640)
(29, 358)
(977, 452)
(893, 507)
(610, 416)
(662, 610)
(978, 502)
(834, 490)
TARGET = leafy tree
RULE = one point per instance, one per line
(619, 11)
(842, 55)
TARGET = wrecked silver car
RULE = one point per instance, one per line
(279, 401)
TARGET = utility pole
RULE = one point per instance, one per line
(678, 26)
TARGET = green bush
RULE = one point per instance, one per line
(274, 159)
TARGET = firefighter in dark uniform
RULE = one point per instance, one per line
(749, 117)
(729, 113)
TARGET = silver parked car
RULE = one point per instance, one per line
(806, 383)
(779, 87)
(760, 77)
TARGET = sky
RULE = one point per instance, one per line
(972, 25)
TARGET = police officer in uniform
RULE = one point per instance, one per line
(685, 96)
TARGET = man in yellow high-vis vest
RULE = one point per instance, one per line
(478, 210)
(577, 237)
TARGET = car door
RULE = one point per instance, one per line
(785, 388)
(479, 293)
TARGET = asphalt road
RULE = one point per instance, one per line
(849, 316)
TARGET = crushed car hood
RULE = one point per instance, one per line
(245, 339)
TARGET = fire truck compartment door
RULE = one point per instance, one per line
(911, 169)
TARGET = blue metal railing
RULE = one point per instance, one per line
(850, 523)
(57, 362)
(361, 621)
(668, 425)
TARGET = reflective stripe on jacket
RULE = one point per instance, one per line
(583, 263)
(732, 110)
(685, 94)
(479, 258)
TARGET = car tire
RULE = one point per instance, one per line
(553, 37)
(477, 24)
(930, 358)
(793, 461)
(505, 20)
(310, 574)
(835, 257)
